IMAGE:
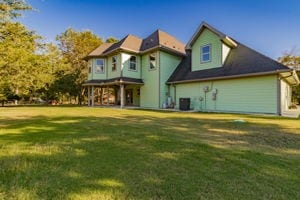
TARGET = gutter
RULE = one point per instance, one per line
(137, 52)
(230, 77)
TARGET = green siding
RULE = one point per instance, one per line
(117, 72)
(168, 64)
(125, 64)
(255, 94)
(99, 75)
(150, 90)
(207, 37)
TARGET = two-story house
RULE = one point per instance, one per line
(213, 71)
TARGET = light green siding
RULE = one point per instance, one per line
(255, 94)
(117, 72)
(125, 65)
(205, 38)
(168, 64)
(149, 95)
(99, 75)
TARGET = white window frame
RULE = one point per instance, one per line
(135, 64)
(101, 71)
(150, 62)
(206, 53)
(114, 63)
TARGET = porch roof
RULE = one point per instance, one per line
(114, 81)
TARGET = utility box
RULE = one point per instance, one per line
(184, 103)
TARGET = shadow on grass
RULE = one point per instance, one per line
(146, 157)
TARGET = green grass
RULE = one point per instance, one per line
(99, 153)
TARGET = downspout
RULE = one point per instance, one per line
(278, 95)
(174, 95)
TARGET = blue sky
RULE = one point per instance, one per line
(269, 26)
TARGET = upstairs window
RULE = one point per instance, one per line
(99, 67)
(206, 53)
(114, 63)
(90, 66)
(132, 63)
(152, 61)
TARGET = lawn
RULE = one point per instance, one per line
(102, 153)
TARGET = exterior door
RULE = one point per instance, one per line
(129, 97)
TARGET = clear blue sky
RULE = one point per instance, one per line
(269, 26)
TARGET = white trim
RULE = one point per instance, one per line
(207, 53)
(135, 63)
(100, 72)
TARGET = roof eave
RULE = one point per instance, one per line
(229, 77)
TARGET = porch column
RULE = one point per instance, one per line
(107, 96)
(89, 95)
(93, 95)
(122, 95)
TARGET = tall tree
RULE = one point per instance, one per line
(111, 40)
(75, 45)
(17, 46)
(19, 63)
(11, 9)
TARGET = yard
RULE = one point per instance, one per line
(102, 153)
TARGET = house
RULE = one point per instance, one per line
(212, 72)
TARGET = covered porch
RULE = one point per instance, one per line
(114, 92)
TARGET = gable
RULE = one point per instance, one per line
(207, 37)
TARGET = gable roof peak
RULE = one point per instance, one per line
(226, 39)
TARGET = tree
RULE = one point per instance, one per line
(19, 62)
(291, 60)
(11, 9)
(74, 46)
(111, 40)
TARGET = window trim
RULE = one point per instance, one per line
(149, 61)
(103, 71)
(129, 68)
(202, 54)
(114, 68)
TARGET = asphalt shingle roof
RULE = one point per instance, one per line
(241, 61)
(157, 39)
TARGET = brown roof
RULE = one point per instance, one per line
(99, 50)
(158, 39)
(130, 42)
(164, 40)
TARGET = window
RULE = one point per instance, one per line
(114, 63)
(90, 66)
(132, 63)
(206, 53)
(99, 68)
(152, 60)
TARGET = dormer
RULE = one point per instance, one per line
(209, 48)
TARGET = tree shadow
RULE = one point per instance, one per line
(135, 156)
